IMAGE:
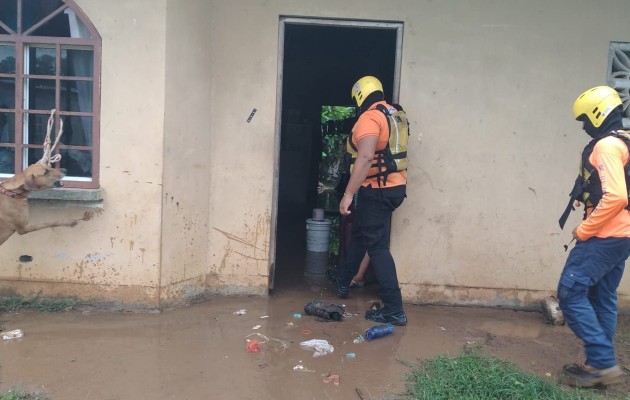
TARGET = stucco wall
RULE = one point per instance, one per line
(188, 182)
(116, 255)
(494, 85)
(489, 87)
(244, 53)
(187, 148)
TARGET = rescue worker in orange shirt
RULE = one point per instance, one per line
(377, 199)
(587, 290)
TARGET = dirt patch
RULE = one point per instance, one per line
(199, 351)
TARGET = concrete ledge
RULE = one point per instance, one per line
(78, 195)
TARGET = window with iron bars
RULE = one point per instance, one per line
(618, 75)
(49, 60)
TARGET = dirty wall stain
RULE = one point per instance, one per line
(92, 267)
(252, 246)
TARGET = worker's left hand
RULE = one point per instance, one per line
(344, 205)
(574, 233)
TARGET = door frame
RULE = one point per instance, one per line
(284, 21)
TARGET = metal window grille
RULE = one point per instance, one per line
(618, 75)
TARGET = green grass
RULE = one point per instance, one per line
(475, 376)
(19, 394)
(14, 304)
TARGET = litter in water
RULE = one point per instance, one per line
(321, 347)
(359, 339)
(379, 331)
(300, 367)
(334, 378)
(14, 334)
(283, 344)
(253, 346)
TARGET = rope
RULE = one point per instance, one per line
(47, 159)
(265, 339)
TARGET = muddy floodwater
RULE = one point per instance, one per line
(199, 351)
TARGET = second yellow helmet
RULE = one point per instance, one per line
(596, 104)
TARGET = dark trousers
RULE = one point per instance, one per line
(370, 232)
(587, 294)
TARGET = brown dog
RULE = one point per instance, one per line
(14, 206)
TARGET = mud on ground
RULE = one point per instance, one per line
(199, 351)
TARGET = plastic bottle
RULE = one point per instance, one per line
(14, 334)
(379, 331)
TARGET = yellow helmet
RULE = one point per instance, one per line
(364, 87)
(596, 104)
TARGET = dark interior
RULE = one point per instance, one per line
(321, 63)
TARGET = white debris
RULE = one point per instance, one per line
(14, 334)
(321, 347)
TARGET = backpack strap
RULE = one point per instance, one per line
(381, 163)
(625, 137)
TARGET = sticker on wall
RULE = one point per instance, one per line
(251, 115)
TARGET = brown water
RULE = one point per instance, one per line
(199, 351)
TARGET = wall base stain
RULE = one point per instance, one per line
(517, 299)
(140, 296)
(202, 288)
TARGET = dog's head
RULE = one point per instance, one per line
(40, 177)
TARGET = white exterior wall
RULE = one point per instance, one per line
(116, 255)
(488, 86)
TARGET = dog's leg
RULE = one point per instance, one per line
(5, 234)
(36, 227)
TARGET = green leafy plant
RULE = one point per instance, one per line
(334, 136)
(333, 139)
(337, 113)
(335, 238)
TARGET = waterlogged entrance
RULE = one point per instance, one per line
(199, 352)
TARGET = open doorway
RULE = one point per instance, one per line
(319, 62)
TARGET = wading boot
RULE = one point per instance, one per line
(342, 291)
(384, 317)
(586, 376)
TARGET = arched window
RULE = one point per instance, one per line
(50, 56)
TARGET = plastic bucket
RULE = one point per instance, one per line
(318, 214)
(316, 266)
(317, 235)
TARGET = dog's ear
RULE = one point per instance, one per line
(16, 182)
(25, 179)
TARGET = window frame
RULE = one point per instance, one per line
(21, 41)
(622, 86)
